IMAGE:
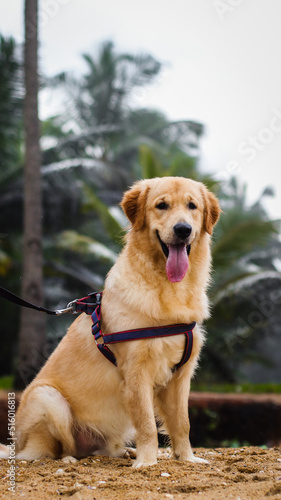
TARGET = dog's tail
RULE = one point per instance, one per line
(4, 451)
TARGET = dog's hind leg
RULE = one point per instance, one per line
(39, 444)
(44, 424)
(4, 451)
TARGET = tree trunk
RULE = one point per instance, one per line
(32, 325)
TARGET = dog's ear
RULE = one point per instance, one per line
(134, 204)
(212, 210)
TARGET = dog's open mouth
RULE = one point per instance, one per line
(177, 260)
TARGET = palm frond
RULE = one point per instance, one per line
(84, 245)
(112, 226)
(240, 238)
(5, 263)
(150, 166)
(78, 272)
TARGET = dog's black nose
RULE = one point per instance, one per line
(182, 230)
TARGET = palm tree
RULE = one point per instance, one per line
(32, 326)
(98, 103)
(105, 130)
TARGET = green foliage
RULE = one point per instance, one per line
(84, 245)
(52, 128)
(110, 80)
(10, 107)
(151, 166)
(237, 234)
(11, 156)
(171, 163)
(234, 443)
(5, 263)
(243, 388)
(109, 130)
(114, 230)
(243, 234)
(6, 382)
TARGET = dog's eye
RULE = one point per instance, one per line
(192, 206)
(162, 205)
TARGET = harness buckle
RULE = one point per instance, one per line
(98, 298)
(96, 340)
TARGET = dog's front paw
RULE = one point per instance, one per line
(189, 458)
(198, 460)
(69, 460)
(147, 463)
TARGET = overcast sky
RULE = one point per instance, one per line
(222, 67)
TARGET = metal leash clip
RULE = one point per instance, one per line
(70, 308)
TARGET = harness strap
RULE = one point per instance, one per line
(187, 350)
(141, 333)
(96, 331)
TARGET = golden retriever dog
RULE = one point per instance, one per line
(80, 403)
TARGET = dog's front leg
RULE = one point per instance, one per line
(138, 395)
(173, 405)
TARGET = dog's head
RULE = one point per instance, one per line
(175, 211)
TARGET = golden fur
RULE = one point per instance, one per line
(80, 403)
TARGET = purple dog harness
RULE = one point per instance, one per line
(141, 333)
(86, 305)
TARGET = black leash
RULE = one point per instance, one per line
(86, 304)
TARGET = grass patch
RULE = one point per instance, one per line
(6, 382)
(246, 387)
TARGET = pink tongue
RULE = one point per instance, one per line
(177, 263)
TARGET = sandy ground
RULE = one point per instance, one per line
(238, 473)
